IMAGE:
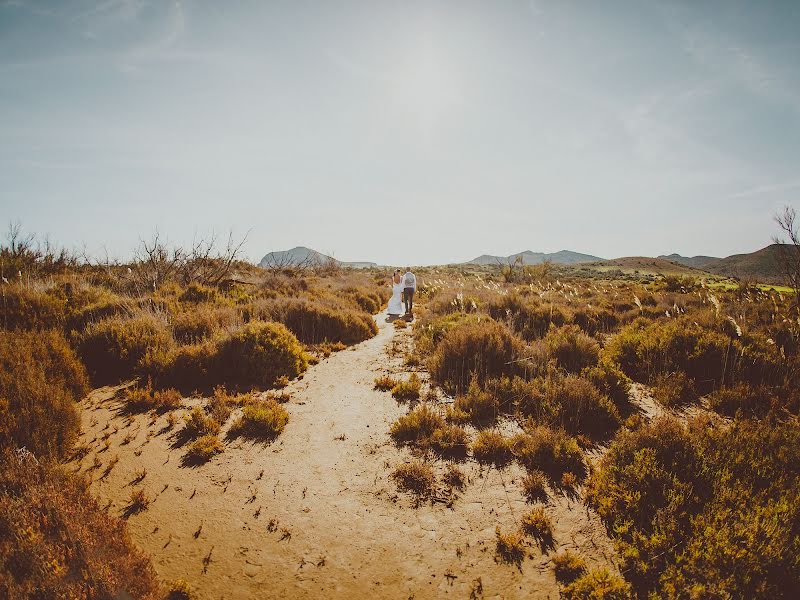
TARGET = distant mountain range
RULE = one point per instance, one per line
(306, 257)
(562, 257)
(762, 265)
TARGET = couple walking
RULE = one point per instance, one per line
(405, 285)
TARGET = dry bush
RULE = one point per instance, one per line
(57, 542)
(204, 448)
(138, 501)
(195, 293)
(179, 590)
(415, 476)
(711, 509)
(188, 368)
(367, 300)
(483, 350)
(261, 419)
(594, 321)
(599, 584)
(572, 349)
(449, 441)
(105, 306)
(568, 566)
(490, 447)
(548, 450)
(537, 524)
(533, 486)
(674, 389)
(477, 406)
(750, 400)
(315, 323)
(417, 425)
(203, 322)
(528, 318)
(259, 354)
(407, 390)
(220, 403)
(198, 423)
(454, 477)
(144, 398)
(385, 383)
(40, 381)
(24, 308)
(112, 349)
(509, 546)
(613, 383)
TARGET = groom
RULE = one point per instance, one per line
(409, 287)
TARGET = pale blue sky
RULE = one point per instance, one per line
(402, 132)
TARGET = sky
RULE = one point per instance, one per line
(401, 132)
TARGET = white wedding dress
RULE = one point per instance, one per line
(396, 306)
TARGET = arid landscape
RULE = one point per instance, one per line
(534, 431)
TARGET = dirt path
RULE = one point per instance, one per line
(315, 514)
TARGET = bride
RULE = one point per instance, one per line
(396, 301)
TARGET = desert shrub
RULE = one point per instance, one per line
(197, 292)
(611, 382)
(220, 403)
(202, 322)
(262, 419)
(415, 476)
(366, 300)
(597, 584)
(454, 477)
(569, 402)
(572, 349)
(594, 321)
(198, 424)
(40, 381)
(204, 449)
(188, 368)
(644, 350)
(715, 510)
(449, 441)
(27, 309)
(144, 398)
(179, 590)
(113, 348)
(385, 383)
(416, 425)
(477, 406)
(549, 450)
(407, 390)
(537, 524)
(531, 321)
(533, 486)
(483, 350)
(509, 546)
(138, 501)
(568, 566)
(490, 447)
(754, 401)
(56, 541)
(259, 354)
(674, 389)
(314, 323)
(106, 306)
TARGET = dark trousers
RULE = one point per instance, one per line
(408, 298)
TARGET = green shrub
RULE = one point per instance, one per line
(482, 350)
(57, 542)
(572, 349)
(40, 381)
(27, 309)
(112, 349)
(263, 419)
(417, 425)
(259, 354)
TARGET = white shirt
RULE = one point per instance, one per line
(410, 280)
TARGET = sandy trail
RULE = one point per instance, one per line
(315, 514)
